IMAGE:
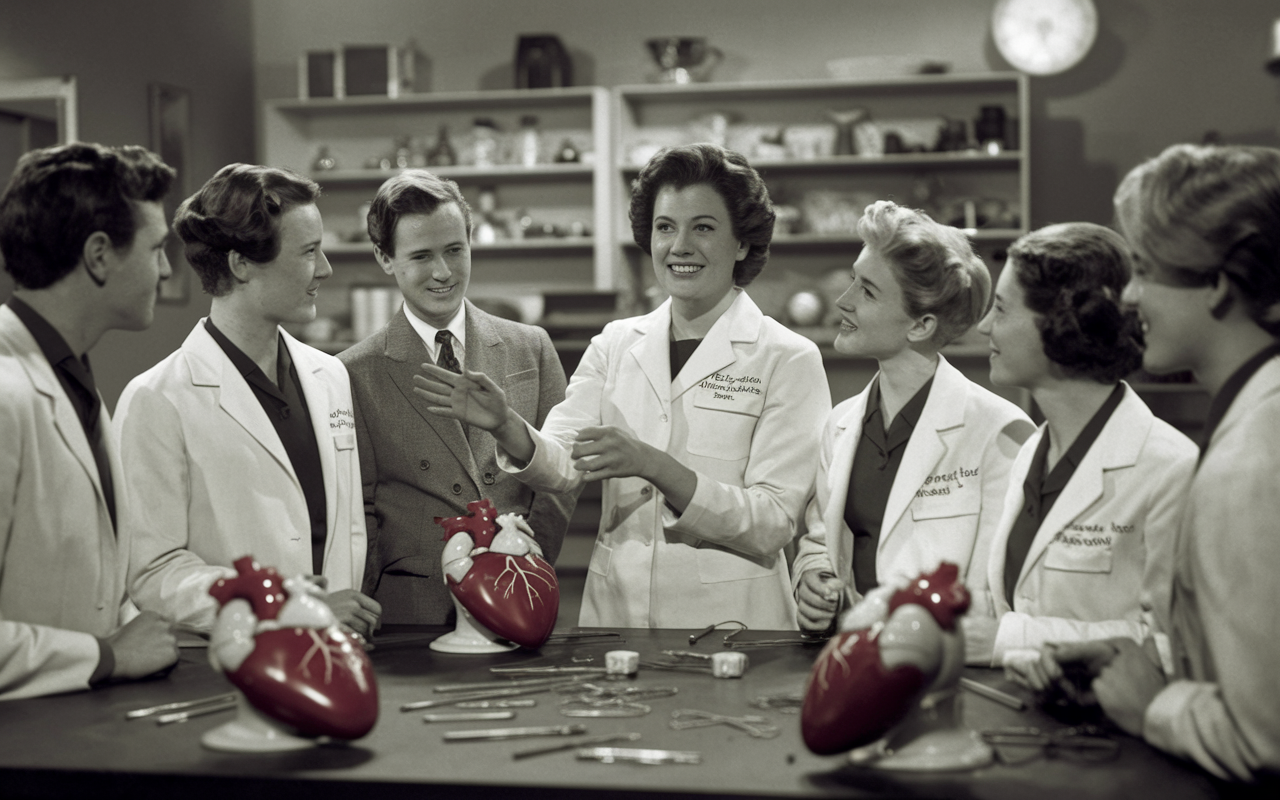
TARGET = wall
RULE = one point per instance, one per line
(115, 50)
(1162, 71)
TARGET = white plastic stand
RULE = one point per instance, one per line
(470, 636)
(932, 738)
(253, 732)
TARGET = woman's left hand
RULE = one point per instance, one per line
(608, 452)
(1127, 685)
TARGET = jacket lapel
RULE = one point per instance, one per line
(211, 367)
(486, 352)
(652, 352)
(405, 352)
(1122, 439)
(848, 434)
(46, 383)
(941, 420)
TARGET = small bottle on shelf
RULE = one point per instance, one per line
(529, 141)
(485, 142)
(486, 232)
(443, 154)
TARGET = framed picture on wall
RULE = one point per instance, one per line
(171, 140)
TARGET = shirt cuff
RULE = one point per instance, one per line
(106, 665)
(1160, 720)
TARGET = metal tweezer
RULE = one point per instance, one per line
(480, 686)
(497, 734)
(161, 709)
(640, 755)
(198, 711)
(570, 635)
(591, 740)
(556, 670)
(466, 696)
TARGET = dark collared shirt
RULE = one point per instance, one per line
(76, 378)
(1227, 394)
(681, 352)
(1040, 492)
(286, 407)
(875, 467)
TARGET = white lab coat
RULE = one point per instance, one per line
(62, 564)
(745, 414)
(1101, 563)
(946, 499)
(1223, 709)
(210, 481)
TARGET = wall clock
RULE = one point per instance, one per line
(1044, 37)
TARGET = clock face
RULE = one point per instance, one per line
(1044, 37)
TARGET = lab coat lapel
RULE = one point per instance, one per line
(211, 367)
(1116, 447)
(942, 420)
(311, 374)
(406, 352)
(652, 350)
(65, 418)
(740, 322)
(848, 434)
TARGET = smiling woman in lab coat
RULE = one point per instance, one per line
(241, 442)
(701, 417)
(1085, 546)
(912, 471)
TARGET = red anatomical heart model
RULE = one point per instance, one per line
(867, 679)
(281, 645)
(496, 571)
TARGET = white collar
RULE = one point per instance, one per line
(457, 326)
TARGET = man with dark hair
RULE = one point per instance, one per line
(414, 465)
(82, 232)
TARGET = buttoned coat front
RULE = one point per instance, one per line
(946, 499)
(418, 466)
(62, 565)
(1101, 563)
(209, 480)
(744, 413)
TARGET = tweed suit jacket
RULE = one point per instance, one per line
(416, 466)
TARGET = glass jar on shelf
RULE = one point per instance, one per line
(442, 154)
(484, 134)
(529, 141)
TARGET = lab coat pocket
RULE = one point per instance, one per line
(1079, 551)
(718, 430)
(953, 506)
(718, 565)
(601, 555)
(344, 441)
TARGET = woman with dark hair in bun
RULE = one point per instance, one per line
(1084, 549)
(242, 441)
(700, 417)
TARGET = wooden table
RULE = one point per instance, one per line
(81, 744)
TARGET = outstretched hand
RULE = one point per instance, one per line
(471, 397)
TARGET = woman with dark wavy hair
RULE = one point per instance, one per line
(701, 417)
(1084, 549)
(242, 441)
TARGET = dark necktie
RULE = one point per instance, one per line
(447, 359)
(82, 381)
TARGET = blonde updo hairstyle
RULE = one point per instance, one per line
(936, 266)
(1197, 211)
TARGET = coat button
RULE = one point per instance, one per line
(488, 479)
(284, 413)
(646, 490)
(663, 418)
(457, 488)
(424, 464)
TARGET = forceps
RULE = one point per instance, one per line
(185, 709)
(755, 726)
